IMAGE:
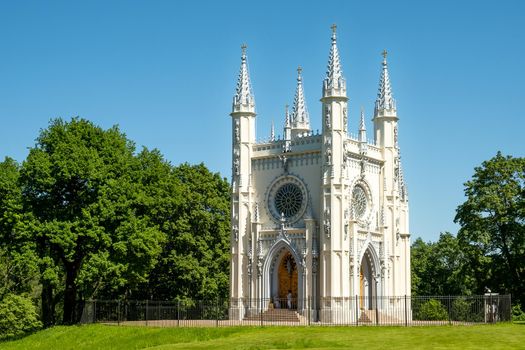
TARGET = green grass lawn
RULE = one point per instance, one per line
(501, 336)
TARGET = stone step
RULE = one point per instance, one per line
(275, 315)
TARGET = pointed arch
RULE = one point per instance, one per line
(369, 250)
(370, 284)
(269, 272)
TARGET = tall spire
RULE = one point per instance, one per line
(300, 117)
(362, 133)
(385, 100)
(287, 130)
(287, 121)
(243, 92)
(272, 132)
(362, 126)
(334, 74)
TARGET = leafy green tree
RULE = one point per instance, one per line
(82, 187)
(85, 216)
(492, 221)
(440, 268)
(18, 268)
(195, 260)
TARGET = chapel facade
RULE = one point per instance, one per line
(318, 219)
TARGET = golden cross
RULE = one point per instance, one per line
(334, 27)
(384, 54)
(243, 48)
(299, 70)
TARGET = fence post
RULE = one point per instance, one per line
(146, 315)
(449, 318)
(178, 313)
(118, 313)
(377, 308)
(509, 308)
(356, 311)
(217, 311)
(94, 311)
(308, 310)
(261, 312)
(406, 312)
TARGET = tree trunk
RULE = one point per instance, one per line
(70, 294)
(48, 305)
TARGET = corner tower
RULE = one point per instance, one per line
(334, 275)
(395, 201)
(243, 138)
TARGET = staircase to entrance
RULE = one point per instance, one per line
(276, 315)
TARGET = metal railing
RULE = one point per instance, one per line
(351, 311)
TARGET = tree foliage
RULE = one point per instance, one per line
(431, 310)
(17, 316)
(439, 268)
(195, 261)
(95, 219)
(492, 221)
(18, 268)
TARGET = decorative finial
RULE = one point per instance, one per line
(384, 100)
(334, 75)
(362, 125)
(300, 118)
(243, 91)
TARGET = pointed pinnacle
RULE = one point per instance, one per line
(334, 74)
(286, 117)
(300, 118)
(362, 126)
(385, 99)
(243, 91)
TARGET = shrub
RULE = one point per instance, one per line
(517, 313)
(17, 316)
(432, 310)
(460, 310)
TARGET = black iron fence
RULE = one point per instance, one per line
(355, 311)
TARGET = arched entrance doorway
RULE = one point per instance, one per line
(287, 282)
(367, 282)
(283, 278)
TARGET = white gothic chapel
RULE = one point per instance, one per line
(318, 220)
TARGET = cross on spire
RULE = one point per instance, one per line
(334, 74)
(300, 117)
(385, 100)
(243, 91)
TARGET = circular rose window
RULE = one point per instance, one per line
(288, 200)
(359, 202)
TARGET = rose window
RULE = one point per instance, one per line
(359, 202)
(288, 199)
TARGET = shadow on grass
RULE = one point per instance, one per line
(18, 337)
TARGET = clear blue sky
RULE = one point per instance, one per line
(165, 71)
